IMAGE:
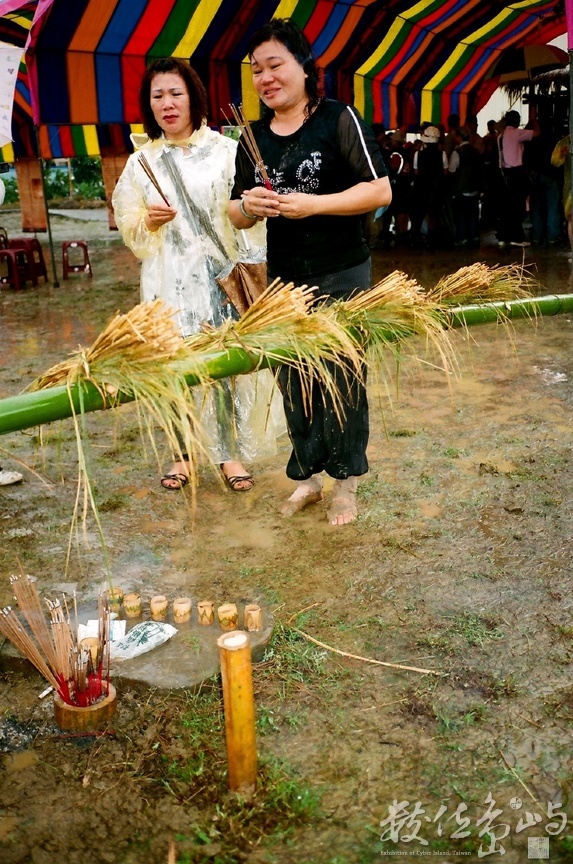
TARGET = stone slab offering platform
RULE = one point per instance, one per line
(187, 660)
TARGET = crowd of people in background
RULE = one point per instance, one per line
(452, 186)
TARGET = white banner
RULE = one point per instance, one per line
(10, 57)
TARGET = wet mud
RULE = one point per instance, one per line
(459, 563)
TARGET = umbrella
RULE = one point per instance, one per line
(521, 64)
(10, 57)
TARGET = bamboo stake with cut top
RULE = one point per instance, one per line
(239, 703)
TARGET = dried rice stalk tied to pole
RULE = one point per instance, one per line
(479, 283)
(284, 326)
(141, 356)
(146, 334)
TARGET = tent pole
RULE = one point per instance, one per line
(48, 223)
(570, 234)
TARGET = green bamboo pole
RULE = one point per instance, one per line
(486, 313)
(57, 403)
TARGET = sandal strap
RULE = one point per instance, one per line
(182, 479)
(233, 481)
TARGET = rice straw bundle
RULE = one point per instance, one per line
(142, 357)
(480, 283)
(144, 335)
(279, 329)
(54, 650)
(390, 312)
(251, 145)
(130, 357)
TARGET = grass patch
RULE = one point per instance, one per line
(181, 750)
(464, 629)
(402, 433)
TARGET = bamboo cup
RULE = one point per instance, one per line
(181, 610)
(114, 599)
(228, 616)
(238, 699)
(91, 644)
(94, 717)
(158, 607)
(252, 617)
(132, 605)
(205, 612)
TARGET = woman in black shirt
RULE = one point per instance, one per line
(326, 172)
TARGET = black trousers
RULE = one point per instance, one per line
(322, 438)
(512, 205)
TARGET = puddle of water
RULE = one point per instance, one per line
(14, 762)
(152, 526)
(7, 825)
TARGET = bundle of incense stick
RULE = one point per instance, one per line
(79, 676)
(149, 171)
(250, 143)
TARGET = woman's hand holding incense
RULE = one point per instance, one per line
(158, 215)
(298, 205)
(261, 202)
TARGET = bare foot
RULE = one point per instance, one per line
(307, 492)
(343, 507)
(237, 478)
(177, 478)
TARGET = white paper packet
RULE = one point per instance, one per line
(140, 639)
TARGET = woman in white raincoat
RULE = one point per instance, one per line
(186, 244)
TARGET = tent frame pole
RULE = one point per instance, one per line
(48, 223)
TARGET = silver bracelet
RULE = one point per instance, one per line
(247, 215)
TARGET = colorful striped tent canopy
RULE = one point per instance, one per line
(399, 61)
(54, 140)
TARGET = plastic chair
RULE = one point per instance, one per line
(35, 255)
(18, 270)
(85, 265)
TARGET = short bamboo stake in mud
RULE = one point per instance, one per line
(238, 699)
(205, 612)
(181, 610)
(228, 616)
(132, 605)
(158, 607)
(253, 617)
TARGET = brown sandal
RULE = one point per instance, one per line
(232, 482)
(181, 479)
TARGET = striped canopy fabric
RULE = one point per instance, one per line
(400, 62)
(53, 140)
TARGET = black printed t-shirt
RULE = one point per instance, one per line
(332, 151)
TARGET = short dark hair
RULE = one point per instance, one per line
(195, 88)
(286, 32)
(512, 118)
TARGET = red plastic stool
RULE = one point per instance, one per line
(84, 266)
(35, 255)
(17, 268)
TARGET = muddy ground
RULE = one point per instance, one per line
(460, 563)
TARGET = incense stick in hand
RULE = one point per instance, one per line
(251, 145)
(148, 170)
